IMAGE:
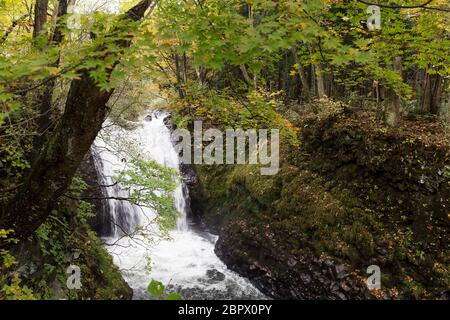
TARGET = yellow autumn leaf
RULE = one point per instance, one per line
(53, 70)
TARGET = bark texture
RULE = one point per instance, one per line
(40, 17)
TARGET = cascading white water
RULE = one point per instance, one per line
(186, 261)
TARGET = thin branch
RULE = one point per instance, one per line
(97, 198)
(11, 28)
(48, 79)
(419, 6)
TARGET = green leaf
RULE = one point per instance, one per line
(156, 288)
(173, 296)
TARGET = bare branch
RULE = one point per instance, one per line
(419, 6)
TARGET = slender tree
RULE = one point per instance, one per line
(40, 17)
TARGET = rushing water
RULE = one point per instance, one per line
(186, 262)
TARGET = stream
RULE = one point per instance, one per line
(186, 263)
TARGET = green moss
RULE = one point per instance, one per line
(65, 239)
(354, 192)
(101, 279)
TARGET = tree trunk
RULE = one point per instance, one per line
(280, 76)
(178, 76)
(393, 105)
(245, 74)
(436, 97)
(40, 17)
(185, 68)
(52, 172)
(304, 80)
(321, 93)
(312, 79)
(426, 92)
(58, 36)
(44, 95)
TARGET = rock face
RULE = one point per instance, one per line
(283, 276)
(193, 196)
(88, 171)
(215, 275)
(355, 194)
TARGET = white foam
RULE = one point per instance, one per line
(183, 261)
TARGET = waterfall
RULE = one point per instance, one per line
(119, 223)
(153, 138)
(186, 261)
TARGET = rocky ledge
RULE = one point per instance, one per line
(281, 275)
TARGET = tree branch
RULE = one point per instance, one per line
(419, 6)
(11, 28)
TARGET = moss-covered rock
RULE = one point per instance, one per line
(63, 241)
(355, 194)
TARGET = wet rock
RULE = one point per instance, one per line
(334, 287)
(292, 262)
(148, 118)
(329, 263)
(345, 287)
(202, 293)
(91, 174)
(341, 271)
(306, 278)
(381, 251)
(168, 122)
(341, 296)
(215, 275)
(312, 277)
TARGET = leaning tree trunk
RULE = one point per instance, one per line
(52, 172)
